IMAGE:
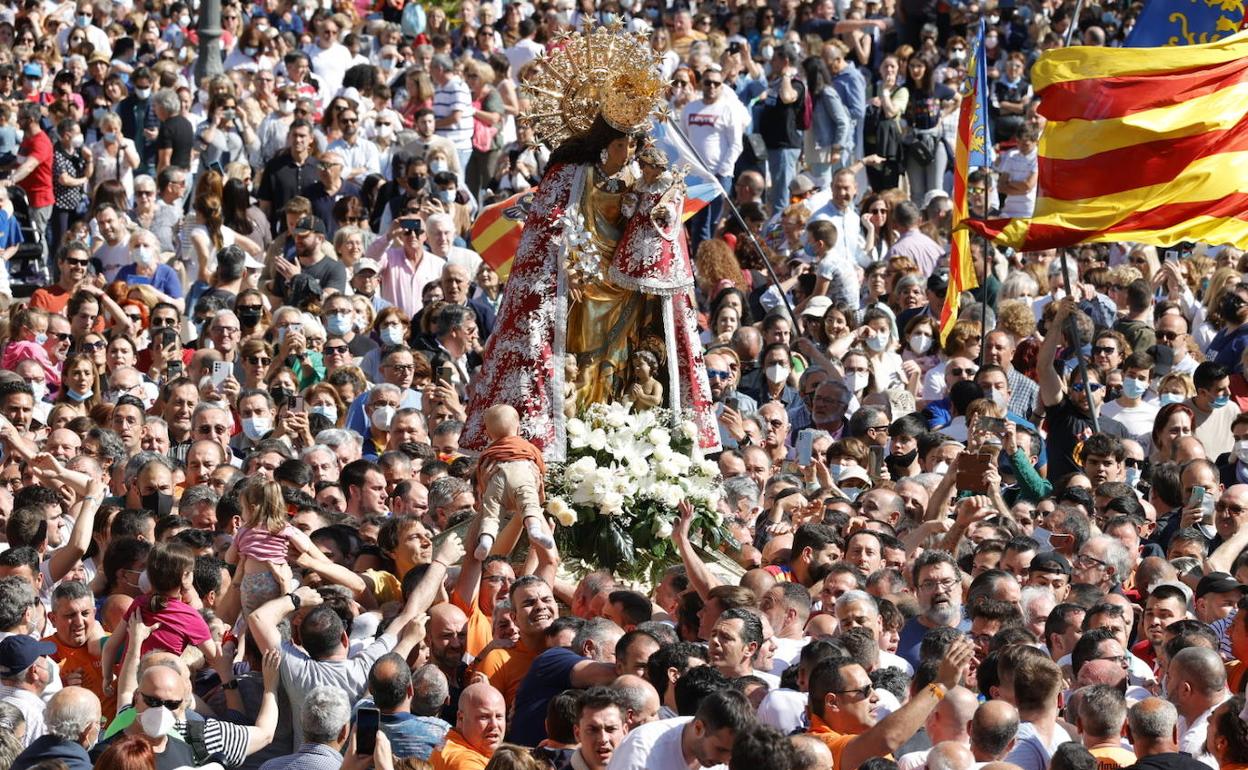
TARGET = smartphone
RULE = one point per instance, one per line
(297, 404)
(446, 373)
(875, 461)
(296, 328)
(733, 403)
(1172, 255)
(993, 425)
(413, 225)
(367, 720)
(220, 373)
(166, 337)
(217, 167)
(173, 370)
(805, 446)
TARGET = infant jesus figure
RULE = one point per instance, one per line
(510, 475)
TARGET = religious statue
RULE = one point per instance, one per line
(588, 280)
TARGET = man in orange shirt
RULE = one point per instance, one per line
(533, 603)
(480, 724)
(72, 260)
(478, 587)
(78, 640)
(842, 707)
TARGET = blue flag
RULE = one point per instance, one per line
(1185, 22)
(975, 88)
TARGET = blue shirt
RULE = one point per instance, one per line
(165, 280)
(912, 634)
(413, 736)
(550, 674)
(10, 230)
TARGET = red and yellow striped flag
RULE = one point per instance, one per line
(1143, 144)
(972, 150)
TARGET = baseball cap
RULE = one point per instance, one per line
(32, 70)
(251, 263)
(1051, 562)
(933, 195)
(938, 282)
(801, 185)
(19, 652)
(849, 472)
(817, 306)
(1218, 583)
(310, 224)
(366, 264)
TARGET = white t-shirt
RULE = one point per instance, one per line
(1015, 167)
(653, 746)
(1138, 420)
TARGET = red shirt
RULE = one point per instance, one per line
(38, 184)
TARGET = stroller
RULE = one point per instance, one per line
(28, 270)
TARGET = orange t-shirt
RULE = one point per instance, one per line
(506, 668)
(456, 754)
(480, 625)
(836, 742)
(72, 659)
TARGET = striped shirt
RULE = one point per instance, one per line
(450, 98)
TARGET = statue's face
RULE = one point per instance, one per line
(620, 151)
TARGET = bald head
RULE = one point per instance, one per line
(810, 753)
(993, 730)
(481, 719)
(951, 719)
(1199, 667)
(1108, 672)
(950, 755)
(642, 699)
(1153, 724)
(73, 714)
(502, 420)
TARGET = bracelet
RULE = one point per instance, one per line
(444, 564)
(937, 689)
(294, 599)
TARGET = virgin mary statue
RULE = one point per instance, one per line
(567, 333)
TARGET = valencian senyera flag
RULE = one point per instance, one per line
(1183, 22)
(1142, 144)
(972, 151)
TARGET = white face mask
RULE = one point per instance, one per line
(877, 342)
(1241, 451)
(857, 380)
(145, 256)
(383, 416)
(776, 373)
(920, 343)
(940, 468)
(392, 335)
(286, 106)
(329, 412)
(256, 428)
(157, 722)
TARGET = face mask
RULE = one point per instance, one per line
(416, 182)
(145, 256)
(835, 471)
(387, 63)
(997, 398)
(76, 142)
(184, 20)
(383, 416)
(250, 51)
(1171, 398)
(776, 373)
(158, 503)
(852, 493)
(902, 460)
(40, 389)
(437, 166)
(256, 428)
(920, 343)
(99, 114)
(157, 722)
(1133, 477)
(1241, 451)
(248, 316)
(143, 93)
(1221, 401)
(877, 342)
(338, 323)
(385, 131)
(41, 338)
(110, 137)
(940, 468)
(1113, 392)
(79, 397)
(83, 20)
(392, 335)
(1133, 387)
(285, 106)
(281, 396)
(329, 412)
(443, 195)
(228, 114)
(857, 380)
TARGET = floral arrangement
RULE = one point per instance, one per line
(615, 498)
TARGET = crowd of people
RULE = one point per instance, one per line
(244, 318)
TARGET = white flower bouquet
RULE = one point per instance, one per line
(615, 498)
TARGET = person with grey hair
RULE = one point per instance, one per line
(176, 136)
(323, 462)
(1102, 562)
(741, 495)
(453, 112)
(1101, 714)
(409, 703)
(326, 722)
(1037, 602)
(447, 495)
(870, 425)
(72, 720)
(1152, 728)
(345, 444)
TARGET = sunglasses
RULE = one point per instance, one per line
(1107, 350)
(259, 360)
(153, 702)
(967, 372)
(78, 262)
(335, 350)
(1094, 387)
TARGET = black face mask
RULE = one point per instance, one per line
(248, 316)
(1113, 392)
(416, 182)
(902, 460)
(158, 503)
(1231, 307)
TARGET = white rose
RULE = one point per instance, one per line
(611, 503)
(664, 531)
(689, 430)
(597, 439)
(562, 512)
(660, 437)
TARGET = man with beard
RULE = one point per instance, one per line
(309, 235)
(723, 368)
(938, 584)
(813, 553)
(830, 402)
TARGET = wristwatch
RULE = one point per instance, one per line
(294, 599)
(230, 685)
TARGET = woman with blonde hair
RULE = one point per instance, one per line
(323, 399)
(349, 245)
(114, 156)
(80, 384)
(204, 233)
(489, 112)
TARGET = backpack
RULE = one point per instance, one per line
(808, 110)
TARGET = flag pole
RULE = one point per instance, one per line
(986, 245)
(736, 213)
(1074, 23)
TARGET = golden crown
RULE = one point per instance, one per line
(605, 71)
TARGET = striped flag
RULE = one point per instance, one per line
(1142, 144)
(972, 152)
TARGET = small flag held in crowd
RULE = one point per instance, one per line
(1141, 145)
(972, 152)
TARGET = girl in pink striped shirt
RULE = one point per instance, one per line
(261, 544)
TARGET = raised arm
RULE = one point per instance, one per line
(449, 551)
(261, 734)
(701, 579)
(64, 558)
(263, 621)
(1052, 389)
